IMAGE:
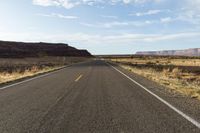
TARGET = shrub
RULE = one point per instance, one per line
(177, 72)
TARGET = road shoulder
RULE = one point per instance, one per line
(186, 104)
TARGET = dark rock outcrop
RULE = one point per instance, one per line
(21, 49)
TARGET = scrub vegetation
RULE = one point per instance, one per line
(180, 74)
(17, 68)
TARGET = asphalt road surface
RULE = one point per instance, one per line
(90, 97)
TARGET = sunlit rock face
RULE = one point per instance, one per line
(187, 52)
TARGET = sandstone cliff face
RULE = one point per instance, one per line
(187, 52)
(20, 49)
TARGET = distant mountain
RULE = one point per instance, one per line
(186, 52)
(21, 49)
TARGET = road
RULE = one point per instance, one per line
(90, 97)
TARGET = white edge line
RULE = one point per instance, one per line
(40, 76)
(190, 119)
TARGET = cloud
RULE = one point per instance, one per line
(193, 4)
(175, 36)
(166, 20)
(91, 39)
(45, 2)
(109, 17)
(126, 23)
(58, 16)
(143, 38)
(190, 12)
(150, 12)
(105, 25)
(118, 24)
(114, 24)
(68, 4)
(138, 1)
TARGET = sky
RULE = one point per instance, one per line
(104, 26)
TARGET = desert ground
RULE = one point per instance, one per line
(17, 68)
(178, 73)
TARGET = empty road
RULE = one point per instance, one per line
(90, 97)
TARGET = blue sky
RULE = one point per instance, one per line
(104, 26)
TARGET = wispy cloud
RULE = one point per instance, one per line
(109, 17)
(135, 1)
(118, 24)
(166, 20)
(150, 12)
(104, 25)
(96, 39)
(68, 4)
(190, 13)
(58, 16)
(90, 25)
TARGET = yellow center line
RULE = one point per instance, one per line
(79, 77)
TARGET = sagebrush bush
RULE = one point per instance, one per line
(176, 72)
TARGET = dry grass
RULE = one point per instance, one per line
(160, 61)
(6, 77)
(174, 78)
(13, 69)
